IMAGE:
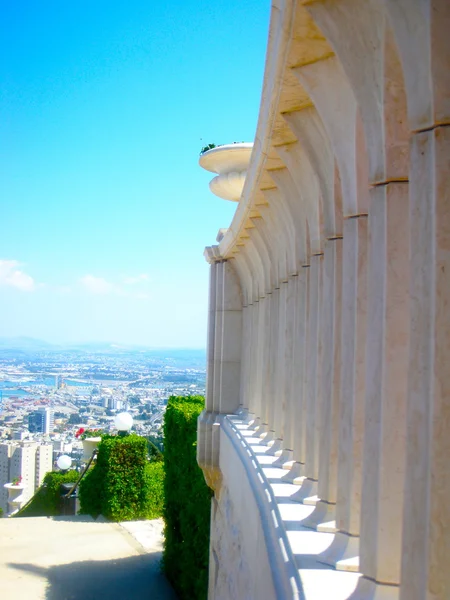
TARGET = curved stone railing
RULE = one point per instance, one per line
(329, 327)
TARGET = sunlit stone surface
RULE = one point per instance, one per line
(326, 434)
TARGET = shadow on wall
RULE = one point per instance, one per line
(133, 578)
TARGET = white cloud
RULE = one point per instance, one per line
(97, 285)
(142, 278)
(11, 276)
(100, 286)
(63, 289)
(142, 296)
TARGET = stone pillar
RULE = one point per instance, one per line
(426, 539)
(244, 358)
(386, 377)
(218, 336)
(206, 419)
(224, 350)
(308, 490)
(290, 392)
(272, 370)
(210, 338)
(299, 420)
(212, 439)
(266, 358)
(231, 319)
(229, 316)
(255, 341)
(280, 379)
(259, 350)
(344, 551)
(323, 516)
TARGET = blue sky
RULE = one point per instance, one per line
(104, 210)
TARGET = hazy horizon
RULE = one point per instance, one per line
(4, 341)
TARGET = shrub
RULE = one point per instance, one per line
(154, 474)
(46, 502)
(122, 485)
(187, 501)
(207, 147)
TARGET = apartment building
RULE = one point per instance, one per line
(41, 421)
(5, 455)
(44, 462)
(28, 460)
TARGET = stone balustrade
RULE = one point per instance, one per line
(329, 315)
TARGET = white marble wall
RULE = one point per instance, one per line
(239, 560)
(329, 322)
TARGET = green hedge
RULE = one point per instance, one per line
(187, 501)
(154, 482)
(46, 502)
(123, 485)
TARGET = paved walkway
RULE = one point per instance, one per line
(77, 558)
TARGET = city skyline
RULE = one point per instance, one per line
(105, 211)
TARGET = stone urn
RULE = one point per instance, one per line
(230, 162)
(89, 445)
(16, 497)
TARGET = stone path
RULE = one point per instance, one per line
(77, 558)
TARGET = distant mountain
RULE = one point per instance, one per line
(182, 357)
(26, 343)
(109, 347)
(177, 357)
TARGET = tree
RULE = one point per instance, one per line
(75, 419)
(134, 399)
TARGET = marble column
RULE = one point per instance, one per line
(247, 357)
(231, 338)
(308, 490)
(202, 432)
(227, 297)
(272, 367)
(254, 359)
(218, 336)
(323, 516)
(386, 378)
(344, 551)
(266, 358)
(280, 374)
(288, 383)
(244, 358)
(426, 519)
(211, 337)
(259, 351)
(224, 350)
(300, 370)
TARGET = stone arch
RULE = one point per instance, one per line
(279, 244)
(421, 33)
(285, 232)
(296, 211)
(295, 158)
(308, 129)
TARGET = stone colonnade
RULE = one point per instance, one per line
(329, 319)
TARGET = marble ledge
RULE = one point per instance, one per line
(285, 516)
